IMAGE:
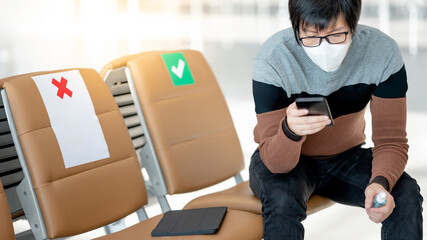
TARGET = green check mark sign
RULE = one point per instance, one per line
(178, 69)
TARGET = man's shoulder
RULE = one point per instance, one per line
(375, 39)
(378, 54)
(280, 39)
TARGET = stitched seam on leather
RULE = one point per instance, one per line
(50, 126)
(89, 170)
(192, 93)
(197, 138)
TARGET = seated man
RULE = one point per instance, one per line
(327, 54)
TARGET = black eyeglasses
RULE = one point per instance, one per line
(335, 38)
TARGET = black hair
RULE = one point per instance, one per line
(320, 13)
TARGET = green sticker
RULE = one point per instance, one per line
(178, 69)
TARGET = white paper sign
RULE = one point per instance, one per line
(72, 117)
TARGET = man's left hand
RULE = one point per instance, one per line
(378, 215)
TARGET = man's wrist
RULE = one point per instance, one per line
(288, 132)
(381, 180)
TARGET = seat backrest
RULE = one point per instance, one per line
(116, 63)
(6, 227)
(114, 76)
(190, 125)
(76, 199)
(10, 170)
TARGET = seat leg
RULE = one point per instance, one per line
(164, 205)
(238, 178)
(142, 215)
(115, 226)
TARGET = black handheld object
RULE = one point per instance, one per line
(315, 106)
(190, 222)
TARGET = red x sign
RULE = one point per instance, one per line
(62, 87)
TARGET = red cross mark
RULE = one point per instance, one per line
(62, 87)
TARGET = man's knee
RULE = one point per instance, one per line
(286, 201)
(407, 197)
(408, 190)
(408, 211)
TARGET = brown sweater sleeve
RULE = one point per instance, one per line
(279, 153)
(390, 152)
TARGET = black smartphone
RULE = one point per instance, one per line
(316, 106)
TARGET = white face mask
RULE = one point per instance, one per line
(328, 56)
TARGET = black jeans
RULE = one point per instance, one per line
(342, 178)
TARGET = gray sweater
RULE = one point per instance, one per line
(372, 71)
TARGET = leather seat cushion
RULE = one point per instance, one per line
(6, 227)
(237, 225)
(241, 197)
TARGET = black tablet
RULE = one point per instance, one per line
(190, 222)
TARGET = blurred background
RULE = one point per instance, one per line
(51, 34)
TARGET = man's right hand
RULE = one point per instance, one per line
(303, 125)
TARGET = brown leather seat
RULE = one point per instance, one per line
(242, 196)
(6, 227)
(85, 197)
(116, 63)
(10, 170)
(236, 225)
(191, 130)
